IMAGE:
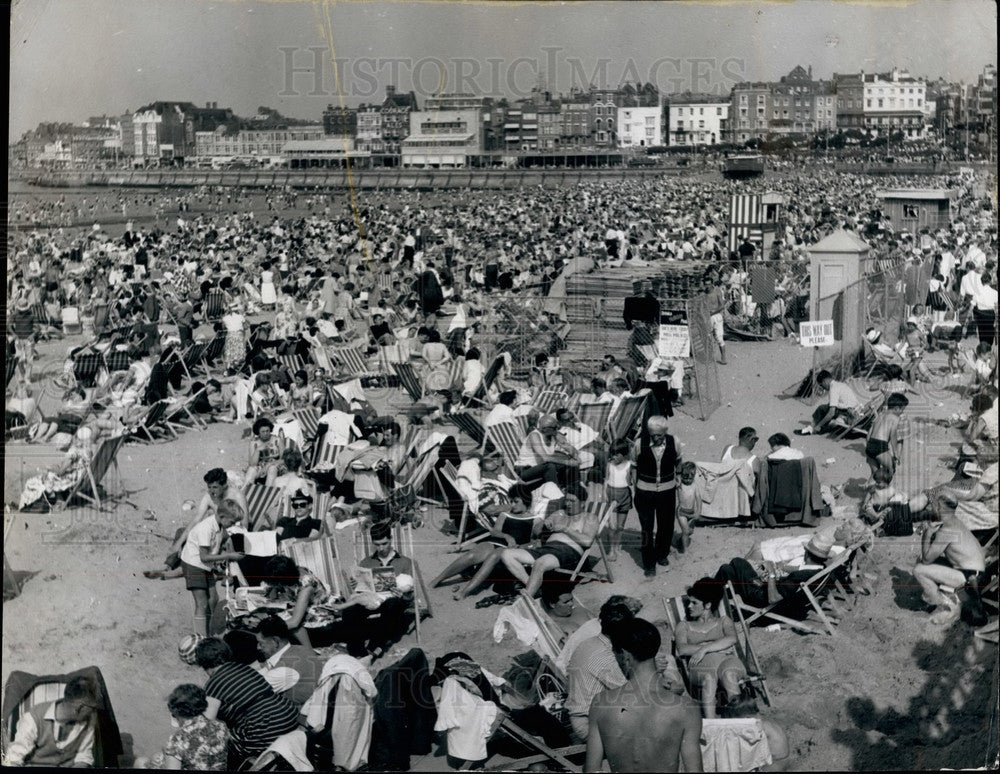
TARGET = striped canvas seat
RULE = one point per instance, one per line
(262, 504)
(320, 558)
(595, 415)
(86, 367)
(550, 400)
(469, 425)
(118, 360)
(325, 455)
(624, 419)
(507, 437)
(352, 358)
(89, 486)
(309, 421)
(409, 381)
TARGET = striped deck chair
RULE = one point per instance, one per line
(263, 504)
(409, 381)
(507, 438)
(320, 558)
(86, 368)
(352, 358)
(402, 541)
(152, 423)
(595, 415)
(213, 350)
(469, 425)
(549, 400)
(308, 419)
(603, 510)
(192, 356)
(624, 419)
(215, 305)
(89, 485)
(39, 315)
(117, 360)
(862, 419)
(489, 377)
(291, 363)
(179, 413)
(324, 455)
(450, 474)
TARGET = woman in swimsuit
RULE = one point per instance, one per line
(884, 442)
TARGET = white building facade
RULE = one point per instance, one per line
(698, 120)
(640, 127)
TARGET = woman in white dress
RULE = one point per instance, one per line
(268, 296)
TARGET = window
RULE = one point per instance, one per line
(910, 211)
(701, 111)
(718, 111)
(880, 102)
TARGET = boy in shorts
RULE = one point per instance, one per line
(688, 503)
(619, 480)
(203, 549)
(884, 443)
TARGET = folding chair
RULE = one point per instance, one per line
(862, 419)
(192, 356)
(468, 424)
(89, 486)
(320, 557)
(324, 454)
(86, 368)
(880, 359)
(811, 587)
(179, 413)
(595, 415)
(153, 422)
(215, 305)
(352, 358)
(213, 350)
(543, 753)
(487, 384)
(507, 438)
(549, 400)
(450, 474)
(604, 511)
(291, 363)
(409, 381)
(261, 501)
(623, 420)
(744, 647)
(309, 421)
(117, 360)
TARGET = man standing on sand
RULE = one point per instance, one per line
(642, 726)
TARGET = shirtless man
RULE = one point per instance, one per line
(572, 532)
(950, 556)
(642, 726)
(884, 443)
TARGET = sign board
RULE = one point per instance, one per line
(818, 333)
(674, 338)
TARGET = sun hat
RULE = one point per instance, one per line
(187, 646)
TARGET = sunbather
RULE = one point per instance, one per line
(885, 442)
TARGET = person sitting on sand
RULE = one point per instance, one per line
(950, 558)
(58, 733)
(571, 532)
(843, 405)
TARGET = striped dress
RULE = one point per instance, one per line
(254, 713)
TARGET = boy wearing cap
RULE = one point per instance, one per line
(58, 733)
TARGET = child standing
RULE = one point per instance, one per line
(203, 549)
(618, 487)
(688, 503)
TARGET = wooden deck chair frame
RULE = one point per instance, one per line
(106, 456)
(450, 474)
(177, 414)
(549, 400)
(864, 415)
(308, 420)
(409, 381)
(212, 352)
(606, 511)
(261, 499)
(544, 752)
(154, 419)
(352, 358)
(595, 416)
(744, 647)
(845, 557)
(486, 385)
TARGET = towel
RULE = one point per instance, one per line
(738, 744)
(525, 629)
(353, 712)
(292, 747)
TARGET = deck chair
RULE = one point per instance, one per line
(352, 358)
(154, 421)
(450, 474)
(324, 454)
(11, 366)
(179, 413)
(622, 421)
(308, 420)
(409, 381)
(215, 305)
(826, 606)
(595, 415)
(549, 400)
(261, 503)
(862, 419)
(86, 368)
(543, 753)
(291, 363)
(880, 359)
(479, 396)
(744, 647)
(320, 557)
(24, 691)
(192, 356)
(468, 424)
(213, 350)
(89, 486)
(117, 360)
(507, 438)
(604, 511)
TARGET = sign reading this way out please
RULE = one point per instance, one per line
(818, 333)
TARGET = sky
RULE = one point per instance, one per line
(71, 59)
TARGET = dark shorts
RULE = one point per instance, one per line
(875, 447)
(621, 496)
(196, 578)
(568, 557)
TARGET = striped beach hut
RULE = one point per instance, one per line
(755, 217)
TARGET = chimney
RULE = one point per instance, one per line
(810, 72)
(390, 91)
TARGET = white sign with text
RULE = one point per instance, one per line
(818, 333)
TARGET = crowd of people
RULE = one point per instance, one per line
(286, 326)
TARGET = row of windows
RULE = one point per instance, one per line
(892, 103)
